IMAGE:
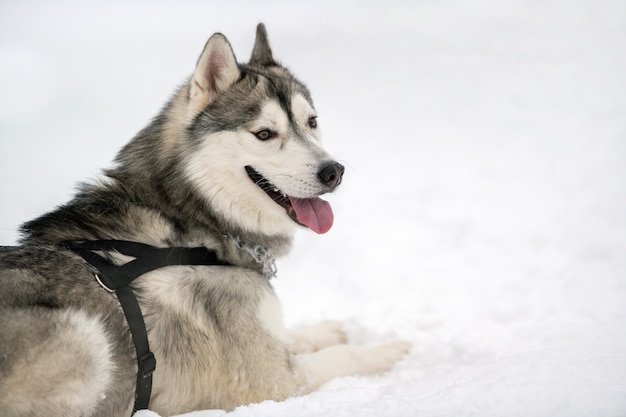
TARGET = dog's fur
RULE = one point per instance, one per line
(184, 180)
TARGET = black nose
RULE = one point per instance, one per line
(331, 174)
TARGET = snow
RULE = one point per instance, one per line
(482, 215)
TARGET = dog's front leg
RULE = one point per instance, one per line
(308, 339)
(345, 360)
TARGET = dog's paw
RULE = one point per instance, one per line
(380, 359)
(316, 337)
(345, 360)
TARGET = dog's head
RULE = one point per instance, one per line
(254, 148)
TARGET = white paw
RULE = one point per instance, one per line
(345, 360)
(379, 359)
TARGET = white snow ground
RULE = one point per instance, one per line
(483, 215)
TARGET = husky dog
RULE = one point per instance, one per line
(232, 163)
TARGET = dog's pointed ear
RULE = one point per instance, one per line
(215, 72)
(261, 53)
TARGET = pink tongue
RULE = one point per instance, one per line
(314, 213)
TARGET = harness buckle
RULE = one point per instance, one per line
(147, 365)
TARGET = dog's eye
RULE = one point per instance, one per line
(312, 122)
(264, 134)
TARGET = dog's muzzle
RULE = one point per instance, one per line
(313, 212)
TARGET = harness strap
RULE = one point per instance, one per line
(116, 279)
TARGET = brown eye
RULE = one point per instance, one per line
(312, 122)
(264, 134)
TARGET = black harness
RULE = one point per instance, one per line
(116, 279)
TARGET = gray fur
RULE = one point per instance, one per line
(65, 349)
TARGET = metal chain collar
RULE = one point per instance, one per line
(260, 254)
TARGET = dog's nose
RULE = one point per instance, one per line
(331, 173)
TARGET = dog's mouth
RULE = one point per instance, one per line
(314, 213)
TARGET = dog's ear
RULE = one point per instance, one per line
(262, 53)
(215, 72)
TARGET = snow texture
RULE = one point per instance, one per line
(483, 212)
